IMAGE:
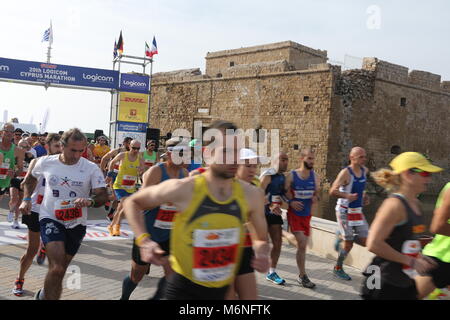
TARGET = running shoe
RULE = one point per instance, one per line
(40, 258)
(18, 287)
(110, 230)
(340, 273)
(15, 225)
(305, 282)
(337, 242)
(10, 217)
(275, 278)
(116, 230)
(36, 296)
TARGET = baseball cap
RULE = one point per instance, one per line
(18, 130)
(249, 154)
(410, 160)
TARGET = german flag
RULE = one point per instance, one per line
(120, 44)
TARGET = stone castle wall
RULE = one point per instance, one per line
(313, 105)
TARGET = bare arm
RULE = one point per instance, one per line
(28, 185)
(258, 226)
(20, 156)
(341, 180)
(265, 181)
(106, 158)
(116, 160)
(440, 224)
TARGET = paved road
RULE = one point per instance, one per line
(102, 265)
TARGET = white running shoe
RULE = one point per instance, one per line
(15, 225)
(10, 217)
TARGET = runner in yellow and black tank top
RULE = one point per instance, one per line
(207, 238)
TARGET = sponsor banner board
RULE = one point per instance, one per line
(133, 107)
(134, 83)
(41, 72)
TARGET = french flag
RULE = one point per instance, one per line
(154, 49)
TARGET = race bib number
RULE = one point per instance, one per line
(303, 194)
(128, 182)
(355, 217)
(411, 248)
(66, 211)
(148, 163)
(276, 199)
(39, 199)
(215, 254)
(165, 216)
(4, 167)
(24, 172)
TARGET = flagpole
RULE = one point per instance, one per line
(151, 89)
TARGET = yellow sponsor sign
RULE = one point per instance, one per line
(133, 107)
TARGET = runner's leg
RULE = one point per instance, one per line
(57, 265)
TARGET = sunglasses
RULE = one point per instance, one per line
(135, 148)
(421, 173)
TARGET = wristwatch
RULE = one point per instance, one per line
(92, 202)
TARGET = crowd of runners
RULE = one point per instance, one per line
(211, 226)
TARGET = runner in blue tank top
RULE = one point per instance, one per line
(158, 222)
(349, 188)
(302, 187)
(272, 182)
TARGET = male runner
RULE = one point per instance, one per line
(150, 156)
(8, 168)
(104, 167)
(100, 149)
(302, 185)
(158, 220)
(208, 232)
(349, 188)
(40, 146)
(17, 136)
(32, 220)
(131, 167)
(273, 183)
(70, 179)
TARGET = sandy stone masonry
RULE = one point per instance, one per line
(290, 87)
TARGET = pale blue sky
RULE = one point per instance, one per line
(412, 33)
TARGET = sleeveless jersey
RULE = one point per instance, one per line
(207, 238)
(353, 209)
(9, 161)
(149, 160)
(440, 246)
(99, 151)
(128, 174)
(160, 219)
(303, 191)
(275, 191)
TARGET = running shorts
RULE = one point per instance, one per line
(31, 221)
(52, 230)
(299, 223)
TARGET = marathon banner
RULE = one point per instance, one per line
(133, 107)
(31, 71)
(134, 83)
